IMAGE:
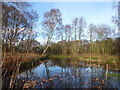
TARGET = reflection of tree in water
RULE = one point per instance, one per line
(62, 63)
(65, 62)
(69, 74)
(48, 73)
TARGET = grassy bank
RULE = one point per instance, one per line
(97, 59)
(86, 57)
(114, 75)
(100, 57)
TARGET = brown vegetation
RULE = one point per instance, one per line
(10, 63)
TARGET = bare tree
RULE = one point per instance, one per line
(17, 20)
(91, 32)
(81, 26)
(75, 23)
(51, 23)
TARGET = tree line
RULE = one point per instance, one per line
(78, 37)
(18, 34)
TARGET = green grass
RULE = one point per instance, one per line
(85, 57)
(94, 58)
(59, 56)
(114, 75)
(110, 60)
(68, 56)
(79, 57)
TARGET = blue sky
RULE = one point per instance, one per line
(94, 12)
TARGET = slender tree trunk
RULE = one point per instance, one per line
(45, 50)
(48, 43)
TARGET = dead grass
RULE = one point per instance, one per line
(22, 56)
(11, 62)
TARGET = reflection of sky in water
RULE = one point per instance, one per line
(71, 76)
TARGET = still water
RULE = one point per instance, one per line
(66, 73)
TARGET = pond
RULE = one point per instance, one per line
(67, 73)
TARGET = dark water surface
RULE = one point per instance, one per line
(66, 73)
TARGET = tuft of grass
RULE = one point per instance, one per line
(110, 60)
(94, 58)
(85, 57)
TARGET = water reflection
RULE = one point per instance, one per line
(67, 73)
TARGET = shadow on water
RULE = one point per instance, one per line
(67, 73)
